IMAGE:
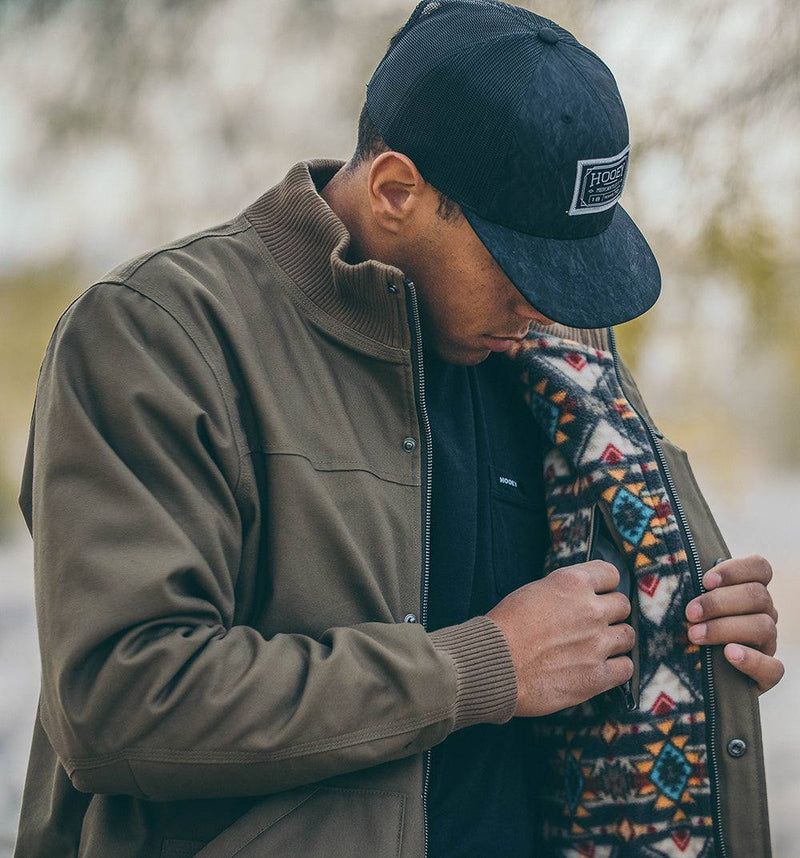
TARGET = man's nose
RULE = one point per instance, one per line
(526, 310)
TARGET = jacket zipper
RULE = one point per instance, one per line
(705, 650)
(426, 451)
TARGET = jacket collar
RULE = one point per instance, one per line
(310, 243)
(596, 338)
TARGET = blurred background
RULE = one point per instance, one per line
(124, 125)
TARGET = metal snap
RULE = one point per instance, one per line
(409, 445)
(719, 560)
(410, 618)
(392, 288)
(737, 747)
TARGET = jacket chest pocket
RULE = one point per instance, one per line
(518, 532)
(603, 547)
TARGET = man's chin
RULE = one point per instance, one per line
(463, 355)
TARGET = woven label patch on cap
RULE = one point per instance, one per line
(599, 183)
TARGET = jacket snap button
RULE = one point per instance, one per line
(737, 747)
(410, 618)
(409, 445)
(392, 288)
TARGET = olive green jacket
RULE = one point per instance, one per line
(224, 482)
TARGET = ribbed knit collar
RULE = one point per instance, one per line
(310, 243)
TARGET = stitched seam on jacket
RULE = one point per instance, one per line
(344, 741)
(400, 825)
(763, 830)
(340, 465)
(274, 822)
(134, 288)
(132, 267)
(133, 778)
(381, 792)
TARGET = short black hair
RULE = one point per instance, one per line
(370, 143)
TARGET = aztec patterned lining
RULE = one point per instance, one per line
(618, 783)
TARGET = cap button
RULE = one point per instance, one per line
(548, 36)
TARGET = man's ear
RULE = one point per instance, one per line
(396, 190)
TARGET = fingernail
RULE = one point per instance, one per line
(694, 611)
(735, 652)
(698, 632)
(712, 579)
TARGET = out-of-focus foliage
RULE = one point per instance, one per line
(127, 124)
(747, 251)
(31, 300)
(766, 277)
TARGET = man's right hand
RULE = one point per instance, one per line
(566, 636)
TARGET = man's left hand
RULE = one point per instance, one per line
(738, 610)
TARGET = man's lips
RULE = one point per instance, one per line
(501, 344)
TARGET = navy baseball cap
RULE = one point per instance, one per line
(510, 116)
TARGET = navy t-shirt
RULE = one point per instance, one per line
(488, 537)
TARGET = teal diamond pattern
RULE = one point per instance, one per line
(547, 413)
(671, 771)
(631, 515)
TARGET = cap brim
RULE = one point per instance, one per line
(592, 282)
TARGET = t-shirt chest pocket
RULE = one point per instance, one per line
(518, 528)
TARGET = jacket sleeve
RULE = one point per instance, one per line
(149, 687)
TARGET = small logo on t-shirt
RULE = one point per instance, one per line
(599, 183)
(506, 484)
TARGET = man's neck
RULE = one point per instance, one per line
(340, 193)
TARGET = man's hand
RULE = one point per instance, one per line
(738, 610)
(566, 636)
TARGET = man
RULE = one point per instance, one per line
(299, 520)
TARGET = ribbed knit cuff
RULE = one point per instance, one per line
(487, 681)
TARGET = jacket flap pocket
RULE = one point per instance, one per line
(236, 838)
(316, 821)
